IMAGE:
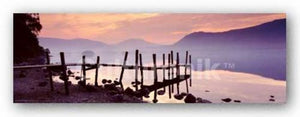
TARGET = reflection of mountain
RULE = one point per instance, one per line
(271, 34)
(67, 45)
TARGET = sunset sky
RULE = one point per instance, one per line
(112, 28)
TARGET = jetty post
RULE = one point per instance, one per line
(83, 71)
(164, 78)
(190, 62)
(142, 69)
(155, 78)
(136, 68)
(49, 71)
(172, 70)
(185, 71)
(96, 72)
(122, 70)
(177, 71)
(64, 72)
(169, 75)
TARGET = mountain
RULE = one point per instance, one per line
(135, 44)
(270, 34)
(68, 45)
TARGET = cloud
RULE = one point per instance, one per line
(157, 28)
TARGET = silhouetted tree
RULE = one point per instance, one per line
(26, 28)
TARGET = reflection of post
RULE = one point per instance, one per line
(169, 75)
(185, 70)
(136, 69)
(155, 78)
(177, 71)
(83, 70)
(49, 72)
(164, 78)
(142, 74)
(190, 70)
(172, 70)
(64, 72)
(122, 70)
(96, 74)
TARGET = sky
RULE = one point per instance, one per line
(165, 29)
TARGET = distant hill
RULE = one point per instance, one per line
(135, 44)
(270, 34)
(73, 44)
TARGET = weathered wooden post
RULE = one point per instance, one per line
(155, 78)
(49, 71)
(122, 70)
(136, 68)
(169, 75)
(185, 71)
(172, 70)
(190, 70)
(83, 71)
(64, 72)
(142, 73)
(97, 67)
(164, 78)
(177, 71)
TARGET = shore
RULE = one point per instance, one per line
(31, 86)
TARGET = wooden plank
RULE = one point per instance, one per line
(64, 72)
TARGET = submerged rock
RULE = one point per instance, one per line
(237, 101)
(116, 82)
(109, 81)
(272, 96)
(160, 92)
(207, 91)
(200, 100)
(183, 94)
(90, 88)
(226, 100)
(190, 98)
(154, 100)
(178, 96)
(117, 98)
(104, 81)
(272, 100)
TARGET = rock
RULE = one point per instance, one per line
(146, 96)
(42, 84)
(104, 81)
(116, 82)
(207, 91)
(108, 81)
(237, 101)
(160, 92)
(190, 98)
(81, 83)
(198, 100)
(78, 77)
(272, 100)
(226, 100)
(145, 91)
(205, 101)
(183, 93)
(129, 91)
(178, 96)
(117, 98)
(154, 100)
(69, 83)
(90, 88)
(110, 86)
(272, 96)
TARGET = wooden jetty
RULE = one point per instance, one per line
(174, 76)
